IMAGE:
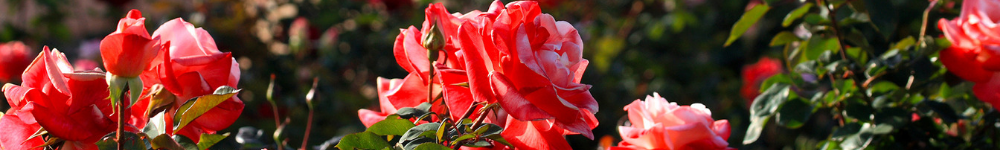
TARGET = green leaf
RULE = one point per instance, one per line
(363, 140)
(164, 141)
(489, 129)
(439, 134)
(391, 127)
(904, 44)
(893, 116)
(777, 78)
(796, 14)
(794, 113)
(194, 108)
(846, 130)
(498, 138)
(817, 45)
(130, 140)
(410, 112)
(185, 142)
(943, 110)
(424, 106)
(431, 146)
(420, 131)
(463, 137)
(207, 140)
(748, 19)
(806, 67)
(815, 19)
(156, 125)
(763, 108)
(478, 144)
(858, 110)
(784, 37)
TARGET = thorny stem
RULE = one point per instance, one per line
(121, 118)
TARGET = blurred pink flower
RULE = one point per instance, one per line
(658, 124)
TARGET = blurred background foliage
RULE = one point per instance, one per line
(674, 47)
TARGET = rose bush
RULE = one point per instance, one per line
(192, 66)
(15, 57)
(658, 124)
(975, 43)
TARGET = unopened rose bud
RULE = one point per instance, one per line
(433, 42)
(270, 90)
(312, 94)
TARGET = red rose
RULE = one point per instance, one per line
(531, 65)
(18, 124)
(69, 105)
(755, 74)
(13, 59)
(975, 41)
(128, 50)
(192, 67)
(658, 124)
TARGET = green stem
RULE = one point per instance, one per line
(121, 118)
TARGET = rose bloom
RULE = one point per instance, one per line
(531, 65)
(128, 50)
(192, 66)
(70, 105)
(975, 41)
(14, 57)
(658, 124)
(755, 74)
(18, 124)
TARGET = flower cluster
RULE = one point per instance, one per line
(73, 106)
(512, 55)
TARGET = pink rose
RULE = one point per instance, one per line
(975, 44)
(658, 124)
(192, 67)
